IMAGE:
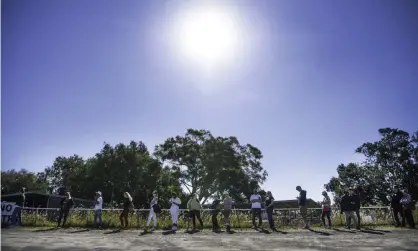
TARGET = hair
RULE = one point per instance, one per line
(325, 193)
(128, 196)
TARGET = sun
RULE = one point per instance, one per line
(207, 35)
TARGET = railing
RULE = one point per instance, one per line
(240, 218)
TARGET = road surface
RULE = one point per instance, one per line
(21, 239)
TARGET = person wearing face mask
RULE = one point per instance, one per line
(174, 210)
(154, 209)
(194, 211)
(349, 207)
(127, 207)
(326, 209)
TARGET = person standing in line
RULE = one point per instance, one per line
(215, 207)
(348, 207)
(227, 207)
(66, 204)
(21, 203)
(174, 210)
(326, 209)
(397, 207)
(98, 210)
(256, 209)
(269, 204)
(407, 205)
(302, 205)
(357, 200)
(194, 207)
(153, 211)
(127, 207)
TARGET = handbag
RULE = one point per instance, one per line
(156, 208)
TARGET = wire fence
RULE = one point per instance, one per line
(240, 218)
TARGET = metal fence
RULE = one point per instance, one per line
(84, 217)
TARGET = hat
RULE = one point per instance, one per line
(99, 193)
(226, 193)
(298, 187)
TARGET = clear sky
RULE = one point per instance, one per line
(307, 82)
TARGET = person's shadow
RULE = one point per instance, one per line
(45, 230)
(319, 232)
(371, 232)
(344, 231)
(113, 232)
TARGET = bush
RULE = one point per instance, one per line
(239, 219)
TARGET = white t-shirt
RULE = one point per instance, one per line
(99, 205)
(255, 204)
(175, 200)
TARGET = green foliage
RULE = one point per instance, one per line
(197, 162)
(12, 181)
(208, 165)
(391, 161)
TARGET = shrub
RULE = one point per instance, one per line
(239, 219)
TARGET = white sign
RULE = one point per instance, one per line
(7, 208)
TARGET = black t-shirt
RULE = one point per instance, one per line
(21, 200)
(127, 204)
(302, 198)
(268, 202)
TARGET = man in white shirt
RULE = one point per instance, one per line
(98, 209)
(174, 210)
(256, 208)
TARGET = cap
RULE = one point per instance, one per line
(99, 193)
(298, 187)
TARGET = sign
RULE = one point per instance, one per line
(8, 214)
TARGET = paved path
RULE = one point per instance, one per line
(19, 239)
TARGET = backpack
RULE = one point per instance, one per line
(156, 208)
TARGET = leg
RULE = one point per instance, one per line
(409, 218)
(329, 218)
(59, 218)
(199, 218)
(253, 214)
(270, 217)
(402, 212)
(323, 218)
(347, 219)
(303, 213)
(65, 215)
(125, 216)
(95, 217)
(215, 225)
(395, 215)
(100, 218)
(121, 219)
(354, 216)
(193, 216)
(227, 214)
(358, 217)
(260, 217)
(150, 216)
(155, 219)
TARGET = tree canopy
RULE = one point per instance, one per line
(392, 161)
(196, 163)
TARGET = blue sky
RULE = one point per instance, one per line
(308, 83)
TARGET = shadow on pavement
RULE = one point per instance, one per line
(113, 232)
(377, 230)
(45, 230)
(280, 231)
(263, 231)
(344, 231)
(167, 232)
(79, 231)
(371, 232)
(145, 232)
(319, 232)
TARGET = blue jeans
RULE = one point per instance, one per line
(98, 214)
(270, 217)
(17, 215)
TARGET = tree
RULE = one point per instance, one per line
(12, 181)
(391, 161)
(208, 165)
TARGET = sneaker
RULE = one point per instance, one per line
(358, 228)
(152, 229)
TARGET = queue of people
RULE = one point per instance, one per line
(401, 204)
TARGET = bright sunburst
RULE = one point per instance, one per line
(207, 35)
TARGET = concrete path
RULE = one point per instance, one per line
(20, 239)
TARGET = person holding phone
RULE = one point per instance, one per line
(174, 210)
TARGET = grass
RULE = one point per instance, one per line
(85, 219)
